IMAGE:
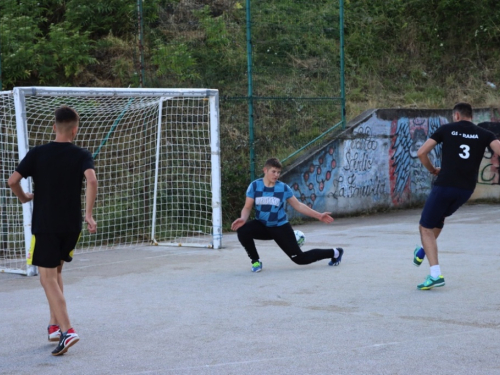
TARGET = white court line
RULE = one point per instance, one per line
(307, 355)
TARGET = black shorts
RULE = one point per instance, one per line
(49, 249)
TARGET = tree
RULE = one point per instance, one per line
(35, 51)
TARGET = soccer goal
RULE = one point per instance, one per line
(157, 160)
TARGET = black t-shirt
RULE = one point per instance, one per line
(463, 149)
(57, 170)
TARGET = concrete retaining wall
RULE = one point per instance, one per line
(373, 165)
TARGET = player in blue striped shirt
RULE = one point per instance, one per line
(268, 195)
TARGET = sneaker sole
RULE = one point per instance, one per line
(431, 287)
(257, 271)
(54, 339)
(72, 342)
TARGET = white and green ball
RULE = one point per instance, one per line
(300, 237)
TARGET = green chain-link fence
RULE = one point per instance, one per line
(277, 64)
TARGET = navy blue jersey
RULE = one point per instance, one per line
(57, 169)
(270, 202)
(464, 145)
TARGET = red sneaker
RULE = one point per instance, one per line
(54, 332)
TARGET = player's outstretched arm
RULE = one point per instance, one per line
(245, 214)
(15, 185)
(306, 210)
(90, 197)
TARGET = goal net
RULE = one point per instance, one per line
(157, 159)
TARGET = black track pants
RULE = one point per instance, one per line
(284, 237)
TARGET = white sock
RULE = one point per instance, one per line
(335, 253)
(435, 271)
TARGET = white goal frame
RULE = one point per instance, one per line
(157, 160)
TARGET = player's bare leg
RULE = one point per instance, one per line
(437, 232)
(55, 296)
(53, 320)
(429, 244)
(435, 279)
(57, 302)
(419, 252)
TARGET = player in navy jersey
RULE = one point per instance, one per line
(268, 195)
(57, 169)
(464, 144)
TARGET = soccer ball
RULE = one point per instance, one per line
(300, 237)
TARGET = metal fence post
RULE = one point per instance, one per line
(250, 92)
(342, 67)
(140, 25)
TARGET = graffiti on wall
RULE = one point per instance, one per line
(491, 115)
(346, 169)
(312, 185)
(489, 169)
(360, 177)
(377, 165)
(490, 165)
(407, 175)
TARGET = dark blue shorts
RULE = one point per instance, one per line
(442, 202)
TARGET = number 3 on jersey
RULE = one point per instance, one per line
(465, 152)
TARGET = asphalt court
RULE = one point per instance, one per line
(154, 310)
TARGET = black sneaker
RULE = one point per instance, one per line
(336, 261)
(67, 340)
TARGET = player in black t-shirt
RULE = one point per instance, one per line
(57, 170)
(464, 145)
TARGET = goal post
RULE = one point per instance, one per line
(12, 237)
(26, 184)
(157, 160)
